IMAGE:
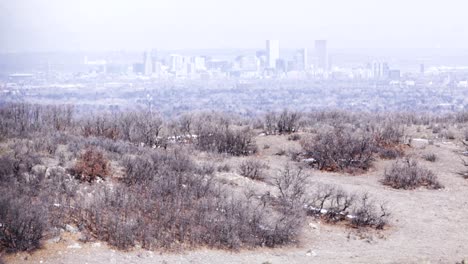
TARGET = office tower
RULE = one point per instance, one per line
(321, 53)
(199, 63)
(177, 63)
(300, 60)
(421, 69)
(249, 63)
(272, 48)
(385, 71)
(147, 61)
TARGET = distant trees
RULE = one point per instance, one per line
(283, 123)
(215, 133)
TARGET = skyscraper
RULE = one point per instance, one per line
(300, 60)
(272, 48)
(321, 53)
(148, 62)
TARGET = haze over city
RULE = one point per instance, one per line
(71, 25)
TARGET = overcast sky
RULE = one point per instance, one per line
(48, 25)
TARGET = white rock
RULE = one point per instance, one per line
(74, 246)
(71, 229)
(96, 245)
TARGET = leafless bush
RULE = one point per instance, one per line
(464, 173)
(291, 184)
(335, 205)
(280, 152)
(288, 122)
(447, 134)
(294, 137)
(367, 214)
(148, 129)
(100, 126)
(430, 157)
(285, 122)
(182, 205)
(22, 222)
(223, 139)
(340, 149)
(224, 168)
(387, 139)
(331, 203)
(407, 174)
(252, 169)
(436, 129)
(91, 165)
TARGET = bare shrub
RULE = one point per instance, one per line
(340, 149)
(100, 126)
(447, 134)
(464, 173)
(331, 203)
(335, 205)
(407, 174)
(22, 223)
(224, 168)
(288, 122)
(147, 129)
(91, 165)
(280, 152)
(252, 169)
(387, 139)
(291, 184)
(223, 139)
(294, 137)
(436, 129)
(367, 214)
(431, 157)
(284, 123)
(182, 207)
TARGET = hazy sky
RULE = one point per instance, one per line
(47, 25)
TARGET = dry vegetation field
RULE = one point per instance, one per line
(206, 187)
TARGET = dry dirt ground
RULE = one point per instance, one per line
(427, 226)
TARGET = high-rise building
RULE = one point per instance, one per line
(148, 62)
(380, 70)
(178, 64)
(200, 63)
(321, 52)
(249, 63)
(300, 60)
(272, 49)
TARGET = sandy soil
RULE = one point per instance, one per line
(427, 226)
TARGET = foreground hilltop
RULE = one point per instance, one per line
(324, 187)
